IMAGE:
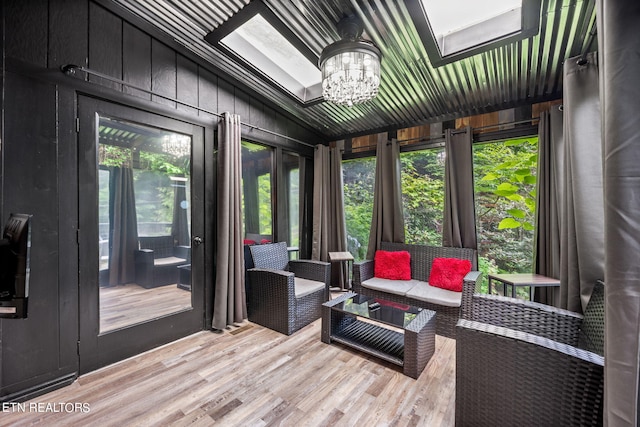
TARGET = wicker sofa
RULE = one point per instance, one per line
(520, 363)
(448, 304)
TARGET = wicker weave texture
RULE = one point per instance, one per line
(505, 381)
(272, 302)
(517, 363)
(419, 343)
(421, 259)
(412, 349)
(538, 319)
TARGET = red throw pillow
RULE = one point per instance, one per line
(447, 273)
(249, 242)
(392, 265)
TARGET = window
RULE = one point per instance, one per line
(358, 180)
(505, 200)
(291, 163)
(257, 165)
(422, 178)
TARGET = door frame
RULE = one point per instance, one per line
(97, 349)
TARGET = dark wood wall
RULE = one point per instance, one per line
(38, 173)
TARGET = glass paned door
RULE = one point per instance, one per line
(141, 198)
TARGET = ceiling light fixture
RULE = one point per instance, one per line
(350, 67)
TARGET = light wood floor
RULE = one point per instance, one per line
(129, 304)
(252, 376)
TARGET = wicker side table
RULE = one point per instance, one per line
(343, 257)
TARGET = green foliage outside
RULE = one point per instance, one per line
(264, 203)
(154, 191)
(422, 177)
(294, 207)
(256, 164)
(358, 179)
(505, 185)
(505, 182)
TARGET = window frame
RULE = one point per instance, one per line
(529, 28)
(254, 8)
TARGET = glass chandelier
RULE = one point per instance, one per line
(350, 67)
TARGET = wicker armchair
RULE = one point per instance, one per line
(520, 363)
(285, 295)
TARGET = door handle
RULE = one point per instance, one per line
(197, 240)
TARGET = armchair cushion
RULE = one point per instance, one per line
(392, 265)
(447, 273)
(304, 287)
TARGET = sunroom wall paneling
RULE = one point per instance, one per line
(38, 169)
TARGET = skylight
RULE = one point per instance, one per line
(461, 24)
(454, 29)
(267, 50)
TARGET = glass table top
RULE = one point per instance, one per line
(391, 313)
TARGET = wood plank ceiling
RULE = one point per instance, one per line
(412, 91)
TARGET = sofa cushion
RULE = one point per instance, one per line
(424, 292)
(447, 273)
(304, 287)
(171, 260)
(392, 265)
(398, 287)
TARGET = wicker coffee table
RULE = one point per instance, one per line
(401, 334)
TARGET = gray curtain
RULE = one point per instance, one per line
(387, 222)
(549, 199)
(229, 303)
(618, 35)
(124, 227)
(329, 227)
(582, 221)
(459, 224)
(321, 210)
(180, 222)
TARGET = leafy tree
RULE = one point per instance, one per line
(264, 203)
(505, 199)
(153, 188)
(422, 177)
(505, 203)
(358, 180)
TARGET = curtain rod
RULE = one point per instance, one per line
(70, 69)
